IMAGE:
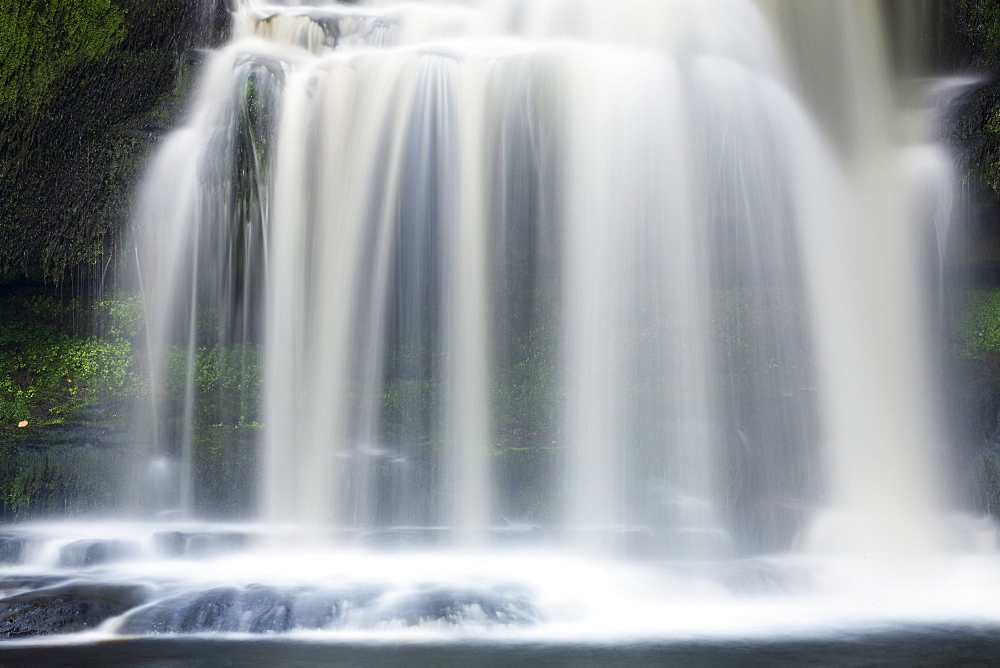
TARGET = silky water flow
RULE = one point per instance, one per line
(556, 320)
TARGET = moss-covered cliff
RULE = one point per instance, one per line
(967, 41)
(85, 87)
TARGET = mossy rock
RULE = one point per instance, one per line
(86, 87)
(52, 366)
(66, 609)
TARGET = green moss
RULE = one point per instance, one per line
(977, 323)
(59, 480)
(51, 367)
(41, 40)
(60, 356)
(85, 86)
(226, 385)
(989, 24)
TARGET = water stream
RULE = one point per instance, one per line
(576, 319)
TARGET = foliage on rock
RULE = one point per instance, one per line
(56, 379)
(51, 364)
(85, 86)
(968, 33)
(41, 41)
(977, 324)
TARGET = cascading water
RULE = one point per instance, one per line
(393, 199)
(634, 283)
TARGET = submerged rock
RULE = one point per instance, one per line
(251, 609)
(764, 577)
(66, 609)
(11, 546)
(95, 552)
(454, 606)
(267, 609)
(16, 584)
(211, 611)
(184, 544)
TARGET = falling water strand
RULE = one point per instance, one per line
(640, 244)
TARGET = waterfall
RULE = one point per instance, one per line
(643, 273)
(513, 329)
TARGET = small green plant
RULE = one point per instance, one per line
(978, 323)
(226, 382)
(51, 366)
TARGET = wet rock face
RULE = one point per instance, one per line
(264, 609)
(67, 587)
(10, 548)
(52, 605)
(254, 609)
(84, 553)
(66, 609)
(184, 544)
(454, 606)
(18, 584)
(90, 127)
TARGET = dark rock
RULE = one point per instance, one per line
(170, 543)
(23, 378)
(270, 610)
(66, 609)
(987, 480)
(215, 610)
(95, 552)
(764, 578)
(266, 609)
(21, 583)
(209, 544)
(454, 606)
(212, 611)
(252, 609)
(11, 547)
(181, 544)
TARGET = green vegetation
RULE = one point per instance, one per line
(980, 20)
(968, 36)
(226, 391)
(58, 479)
(51, 366)
(985, 169)
(212, 395)
(43, 40)
(53, 370)
(526, 390)
(85, 86)
(977, 324)
(226, 384)
(54, 373)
